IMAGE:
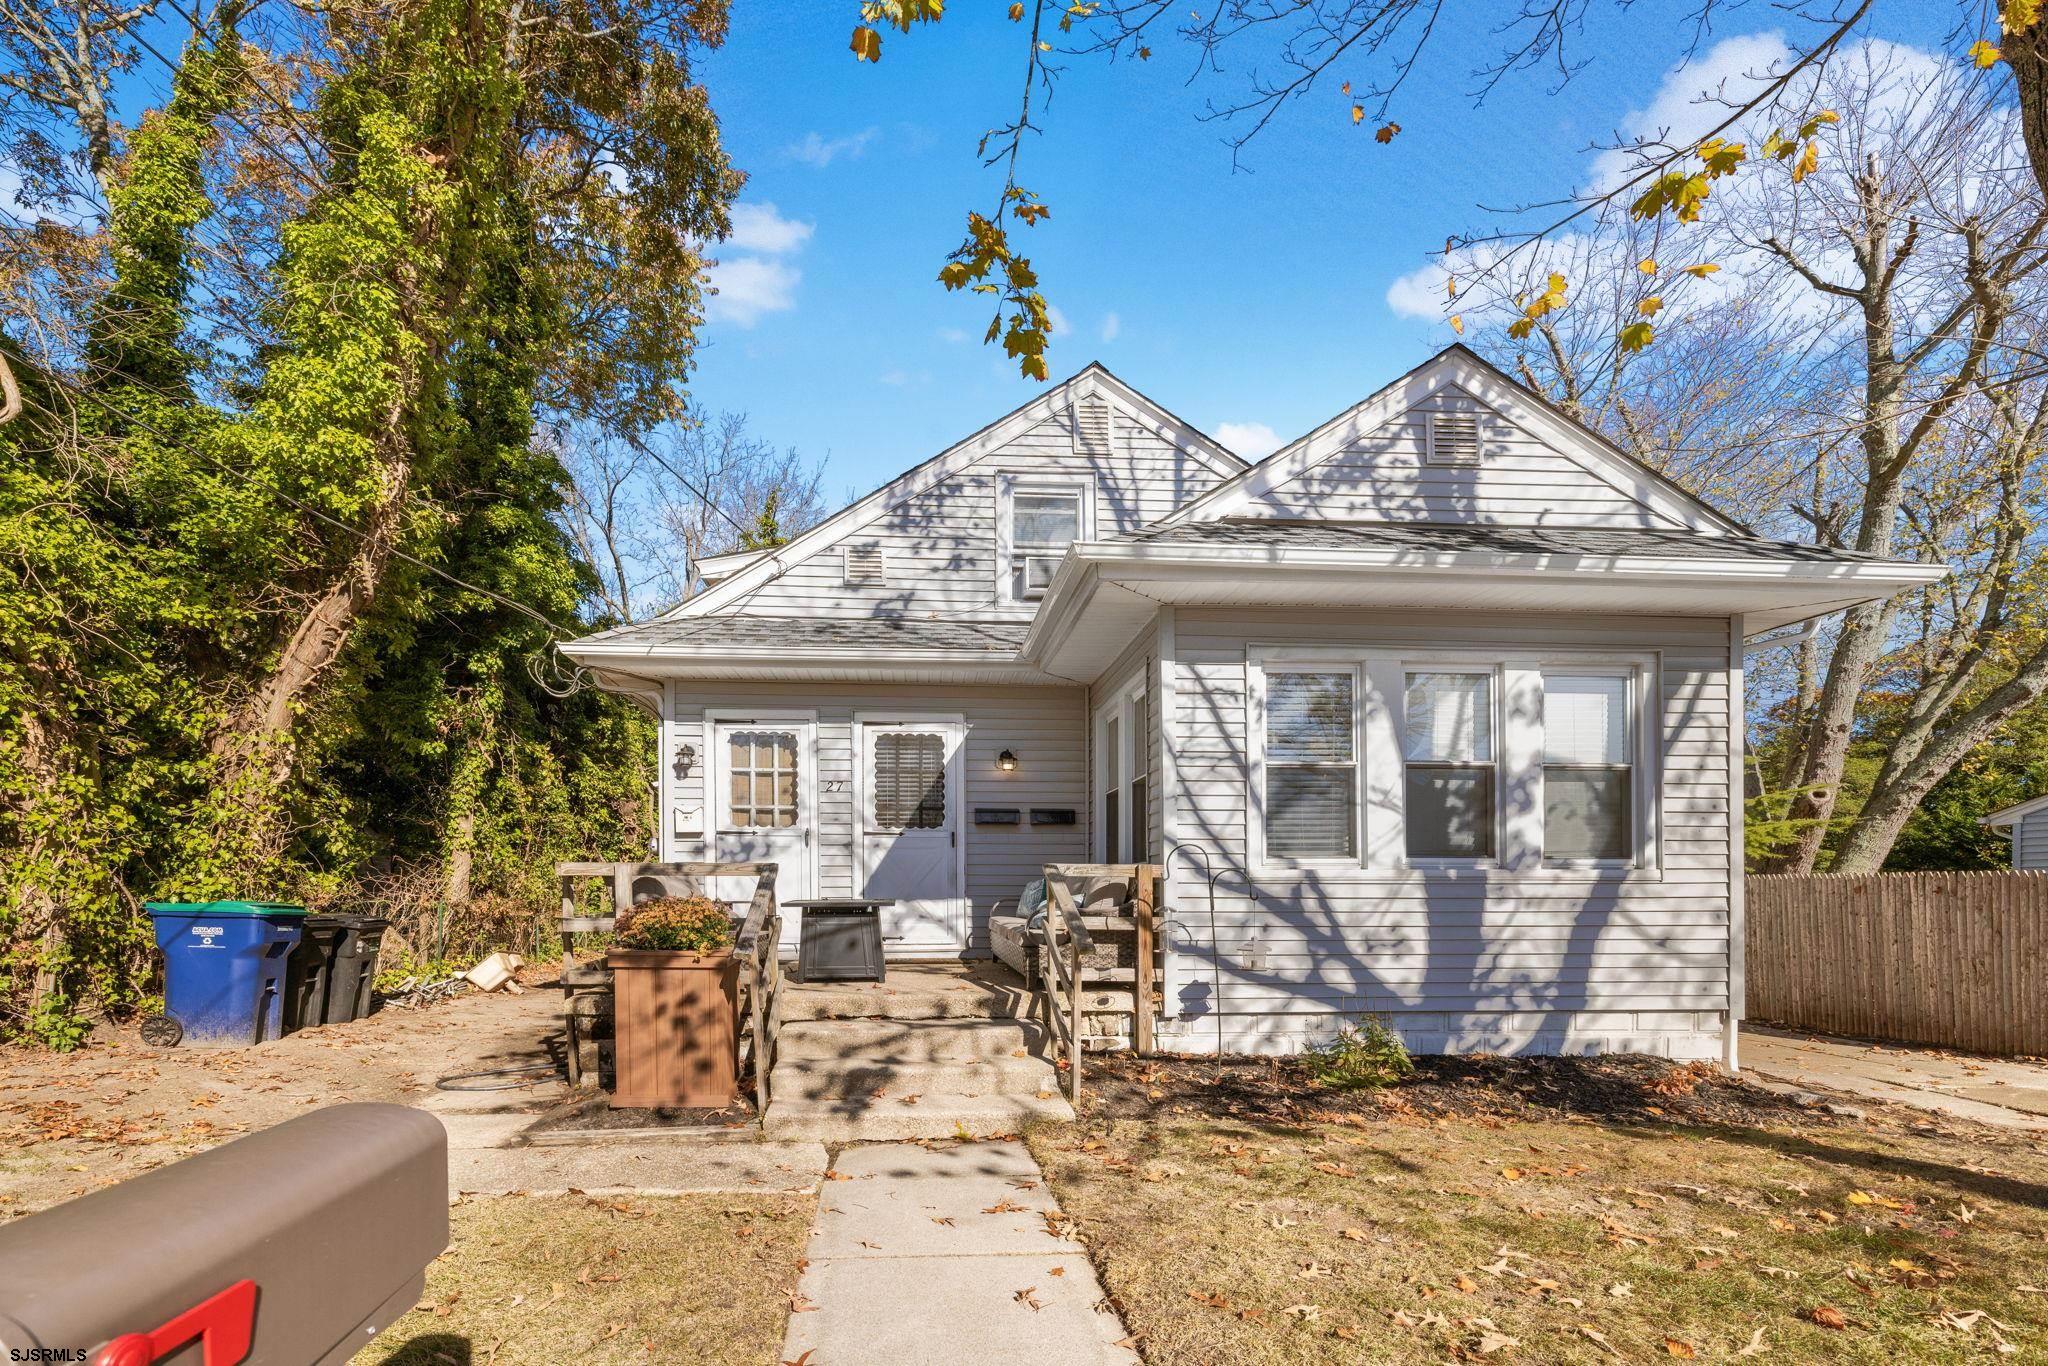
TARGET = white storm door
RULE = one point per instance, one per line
(911, 836)
(766, 806)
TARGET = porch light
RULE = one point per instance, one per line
(686, 759)
(1006, 762)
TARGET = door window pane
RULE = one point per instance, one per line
(910, 781)
(1448, 791)
(1311, 768)
(762, 786)
(1588, 774)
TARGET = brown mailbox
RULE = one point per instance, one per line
(296, 1245)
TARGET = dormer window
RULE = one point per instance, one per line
(1039, 521)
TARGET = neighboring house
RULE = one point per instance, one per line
(2026, 825)
(1446, 692)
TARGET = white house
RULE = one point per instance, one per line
(2026, 825)
(1446, 693)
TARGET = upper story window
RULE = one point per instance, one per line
(1039, 521)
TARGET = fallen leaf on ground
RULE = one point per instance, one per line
(1684, 1351)
(1756, 1345)
(1827, 1316)
(1025, 1297)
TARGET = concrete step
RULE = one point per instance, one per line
(855, 1078)
(864, 1121)
(907, 997)
(884, 1042)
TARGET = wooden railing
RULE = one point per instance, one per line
(1065, 944)
(760, 1004)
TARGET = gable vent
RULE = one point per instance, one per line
(865, 564)
(1454, 438)
(1093, 425)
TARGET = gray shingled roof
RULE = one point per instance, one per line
(1504, 540)
(880, 634)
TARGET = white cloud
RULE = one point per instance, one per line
(750, 287)
(1252, 440)
(749, 281)
(1111, 326)
(1689, 100)
(1058, 325)
(760, 228)
(904, 379)
(818, 150)
(954, 335)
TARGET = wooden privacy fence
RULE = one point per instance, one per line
(1956, 960)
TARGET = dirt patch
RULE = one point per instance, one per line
(1471, 1086)
(596, 1114)
(73, 1122)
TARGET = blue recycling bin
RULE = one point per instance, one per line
(223, 971)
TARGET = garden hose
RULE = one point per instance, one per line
(448, 1083)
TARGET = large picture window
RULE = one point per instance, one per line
(1311, 766)
(1588, 775)
(1451, 773)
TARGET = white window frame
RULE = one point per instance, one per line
(1126, 706)
(1643, 812)
(1496, 697)
(1255, 721)
(1378, 719)
(1008, 486)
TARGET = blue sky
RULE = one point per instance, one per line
(1247, 300)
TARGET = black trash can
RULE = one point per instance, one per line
(309, 972)
(355, 967)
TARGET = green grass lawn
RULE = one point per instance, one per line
(1382, 1232)
(602, 1279)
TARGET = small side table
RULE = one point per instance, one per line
(841, 939)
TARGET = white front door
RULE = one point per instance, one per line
(765, 803)
(912, 845)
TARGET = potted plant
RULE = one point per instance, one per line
(675, 1002)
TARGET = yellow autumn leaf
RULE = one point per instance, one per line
(1861, 1198)
(1457, 324)
(866, 44)
(1511, 1173)
(1635, 337)
(1358, 113)
(1650, 306)
(1648, 265)
(1701, 271)
(1450, 286)
(1809, 161)
(1985, 54)
(2017, 16)
(1682, 1350)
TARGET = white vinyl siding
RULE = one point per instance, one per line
(1503, 475)
(942, 546)
(2030, 840)
(1467, 957)
(1044, 727)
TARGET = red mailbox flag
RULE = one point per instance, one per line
(224, 1325)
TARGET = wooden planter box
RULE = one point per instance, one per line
(675, 1028)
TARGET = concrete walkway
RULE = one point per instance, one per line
(1994, 1091)
(943, 1256)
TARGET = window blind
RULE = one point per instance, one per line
(910, 781)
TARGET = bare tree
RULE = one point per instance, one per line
(644, 512)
